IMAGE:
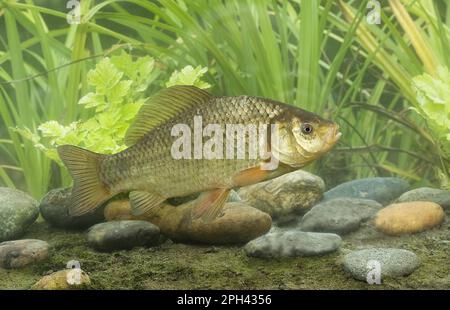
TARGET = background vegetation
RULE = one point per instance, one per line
(384, 83)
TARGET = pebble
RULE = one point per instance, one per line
(18, 211)
(120, 210)
(123, 235)
(290, 193)
(292, 244)
(339, 215)
(237, 224)
(64, 280)
(439, 196)
(409, 217)
(383, 190)
(54, 209)
(392, 263)
(20, 253)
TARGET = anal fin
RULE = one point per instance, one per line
(144, 202)
(209, 204)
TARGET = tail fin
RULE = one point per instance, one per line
(88, 190)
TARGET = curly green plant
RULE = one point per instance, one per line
(433, 97)
(411, 47)
(118, 91)
(189, 76)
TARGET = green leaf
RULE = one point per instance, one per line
(129, 111)
(189, 76)
(139, 71)
(28, 134)
(91, 100)
(117, 95)
(118, 92)
(108, 120)
(433, 96)
(55, 129)
(104, 77)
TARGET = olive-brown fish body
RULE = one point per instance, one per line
(149, 164)
(152, 170)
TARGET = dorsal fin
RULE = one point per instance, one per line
(161, 107)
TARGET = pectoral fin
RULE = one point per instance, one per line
(250, 176)
(144, 202)
(209, 204)
(257, 174)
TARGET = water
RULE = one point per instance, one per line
(370, 213)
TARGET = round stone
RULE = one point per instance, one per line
(291, 193)
(339, 215)
(439, 196)
(383, 190)
(238, 223)
(123, 235)
(64, 280)
(17, 212)
(20, 253)
(292, 243)
(363, 264)
(54, 208)
(120, 210)
(409, 217)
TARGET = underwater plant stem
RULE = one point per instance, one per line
(414, 34)
(78, 52)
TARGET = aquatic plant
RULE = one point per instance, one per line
(433, 96)
(118, 92)
(189, 76)
(300, 52)
(37, 85)
(421, 77)
(117, 96)
(304, 53)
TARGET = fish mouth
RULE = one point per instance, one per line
(333, 136)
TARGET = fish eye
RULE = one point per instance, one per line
(307, 128)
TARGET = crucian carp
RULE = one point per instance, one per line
(166, 159)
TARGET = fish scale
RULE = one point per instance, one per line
(148, 165)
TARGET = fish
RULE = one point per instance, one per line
(161, 162)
